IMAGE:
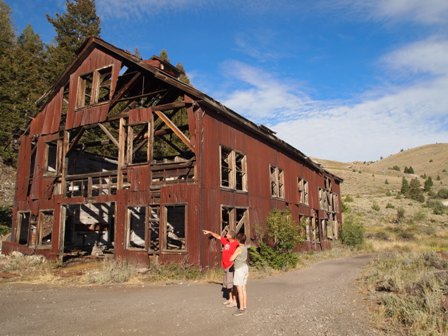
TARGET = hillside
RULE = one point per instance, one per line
(371, 191)
(7, 185)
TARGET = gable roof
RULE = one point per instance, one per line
(201, 98)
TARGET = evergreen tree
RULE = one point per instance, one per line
(72, 29)
(7, 91)
(31, 58)
(414, 191)
(183, 75)
(428, 184)
(164, 55)
(404, 186)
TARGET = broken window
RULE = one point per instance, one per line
(277, 182)
(88, 225)
(84, 90)
(104, 81)
(94, 87)
(233, 169)
(22, 234)
(51, 159)
(138, 144)
(303, 191)
(135, 230)
(175, 227)
(236, 219)
(45, 227)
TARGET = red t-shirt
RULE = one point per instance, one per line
(228, 247)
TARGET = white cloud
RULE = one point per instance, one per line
(266, 96)
(429, 12)
(383, 123)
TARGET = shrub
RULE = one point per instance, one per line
(400, 215)
(386, 182)
(412, 289)
(388, 193)
(396, 168)
(348, 198)
(442, 193)
(275, 249)
(375, 206)
(390, 206)
(352, 232)
(5, 215)
(266, 256)
(437, 207)
(4, 230)
(283, 231)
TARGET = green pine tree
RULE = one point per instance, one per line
(7, 82)
(404, 186)
(428, 184)
(72, 29)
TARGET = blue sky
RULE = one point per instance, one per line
(342, 80)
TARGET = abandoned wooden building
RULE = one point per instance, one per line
(125, 158)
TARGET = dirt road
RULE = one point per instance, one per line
(322, 299)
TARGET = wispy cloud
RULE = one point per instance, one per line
(265, 97)
(428, 12)
(381, 124)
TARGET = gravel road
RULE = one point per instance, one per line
(322, 299)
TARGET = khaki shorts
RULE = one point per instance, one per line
(241, 274)
(228, 278)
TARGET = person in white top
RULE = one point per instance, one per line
(239, 258)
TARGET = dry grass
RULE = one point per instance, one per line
(412, 296)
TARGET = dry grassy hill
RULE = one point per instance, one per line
(371, 191)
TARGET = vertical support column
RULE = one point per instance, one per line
(121, 152)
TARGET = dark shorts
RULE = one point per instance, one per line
(228, 278)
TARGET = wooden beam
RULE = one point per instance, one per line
(109, 135)
(75, 140)
(170, 106)
(126, 87)
(175, 129)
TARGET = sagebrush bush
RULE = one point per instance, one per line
(412, 288)
(352, 232)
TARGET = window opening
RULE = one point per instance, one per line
(45, 227)
(94, 87)
(138, 149)
(51, 158)
(277, 182)
(175, 227)
(136, 219)
(104, 78)
(303, 191)
(233, 169)
(233, 218)
(23, 227)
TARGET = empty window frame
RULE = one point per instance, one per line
(94, 87)
(52, 156)
(138, 150)
(277, 182)
(233, 169)
(303, 191)
(23, 227)
(135, 228)
(45, 225)
(175, 227)
(236, 219)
